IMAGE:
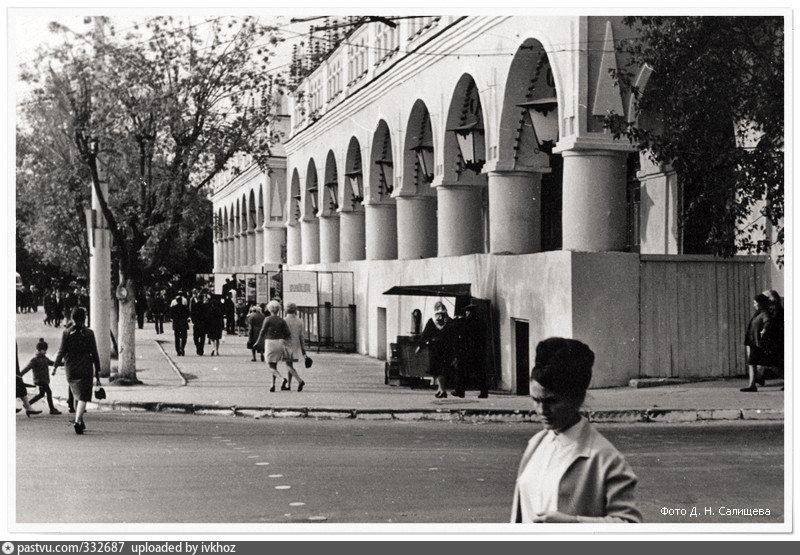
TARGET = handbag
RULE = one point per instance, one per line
(250, 344)
(308, 361)
(99, 393)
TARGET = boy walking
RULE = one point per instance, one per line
(41, 375)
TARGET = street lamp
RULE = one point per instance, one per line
(384, 183)
(424, 154)
(467, 136)
(356, 185)
(543, 115)
(314, 200)
(333, 187)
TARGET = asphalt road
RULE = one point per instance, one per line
(146, 467)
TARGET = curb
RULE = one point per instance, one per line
(171, 362)
(629, 416)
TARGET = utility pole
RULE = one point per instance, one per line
(100, 257)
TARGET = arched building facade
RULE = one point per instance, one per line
(469, 150)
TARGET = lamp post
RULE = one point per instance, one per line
(543, 115)
(356, 185)
(467, 136)
(384, 187)
(424, 154)
(333, 187)
(314, 200)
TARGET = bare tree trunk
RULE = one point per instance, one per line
(127, 335)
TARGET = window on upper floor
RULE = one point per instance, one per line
(387, 43)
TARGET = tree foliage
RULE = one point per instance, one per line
(52, 193)
(156, 111)
(713, 109)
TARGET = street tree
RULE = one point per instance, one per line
(51, 193)
(156, 111)
(713, 109)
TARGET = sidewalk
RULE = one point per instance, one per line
(352, 386)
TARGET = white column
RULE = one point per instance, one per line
(416, 227)
(329, 239)
(310, 239)
(593, 213)
(352, 240)
(381, 231)
(228, 253)
(100, 280)
(515, 206)
(460, 221)
(252, 253)
(274, 239)
(243, 255)
(259, 247)
(294, 242)
(217, 254)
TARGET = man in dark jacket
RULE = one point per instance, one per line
(199, 312)
(229, 308)
(471, 353)
(159, 308)
(179, 312)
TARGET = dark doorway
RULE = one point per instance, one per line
(522, 356)
(552, 199)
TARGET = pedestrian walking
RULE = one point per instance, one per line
(198, 309)
(569, 471)
(773, 336)
(255, 319)
(159, 308)
(78, 353)
(758, 356)
(274, 334)
(39, 365)
(216, 323)
(229, 309)
(141, 308)
(179, 314)
(22, 392)
(295, 346)
(439, 341)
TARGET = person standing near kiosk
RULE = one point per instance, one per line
(470, 358)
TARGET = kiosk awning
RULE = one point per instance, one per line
(451, 290)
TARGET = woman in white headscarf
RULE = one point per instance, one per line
(435, 337)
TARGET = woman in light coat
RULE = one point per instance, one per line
(569, 472)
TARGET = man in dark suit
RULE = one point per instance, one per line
(179, 313)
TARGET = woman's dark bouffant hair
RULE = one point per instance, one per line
(762, 300)
(564, 366)
(79, 315)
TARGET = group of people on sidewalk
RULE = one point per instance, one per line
(268, 335)
(78, 354)
(456, 348)
(763, 340)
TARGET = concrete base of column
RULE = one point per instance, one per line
(460, 222)
(515, 204)
(416, 227)
(329, 239)
(310, 239)
(594, 216)
(294, 248)
(352, 244)
(381, 230)
(100, 296)
(274, 241)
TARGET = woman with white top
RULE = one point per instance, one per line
(295, 346)
(569, 472)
